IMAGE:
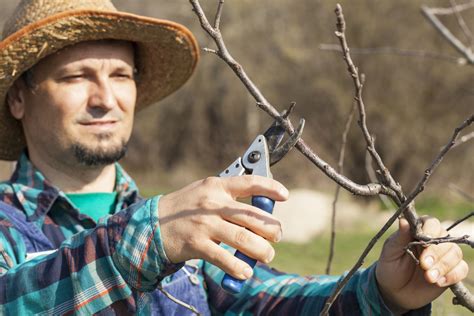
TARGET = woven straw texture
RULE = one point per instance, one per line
(166, 51)
(28, 12)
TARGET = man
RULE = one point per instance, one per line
(76, 238)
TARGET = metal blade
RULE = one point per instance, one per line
(277, 154)
(274, 134)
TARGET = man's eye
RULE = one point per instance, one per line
(122, 76)
(72, 77)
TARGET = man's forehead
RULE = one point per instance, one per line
(103, 49)
(98, 43)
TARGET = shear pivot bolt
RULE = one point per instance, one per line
(254, 156)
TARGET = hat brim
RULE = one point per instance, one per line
(167, 54)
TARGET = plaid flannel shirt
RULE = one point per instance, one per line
(112, 265)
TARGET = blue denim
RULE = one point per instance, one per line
(182, 284)
(33, 237)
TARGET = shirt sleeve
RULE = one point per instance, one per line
(270, 292)
(117, 261)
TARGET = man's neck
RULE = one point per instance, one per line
(78, 179)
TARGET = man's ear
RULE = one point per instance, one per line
(16, 99)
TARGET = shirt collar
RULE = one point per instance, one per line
(37, 195)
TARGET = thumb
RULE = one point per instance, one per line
(403, 234)
(394, 248)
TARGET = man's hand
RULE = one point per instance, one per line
(405, 285)
(195, 219)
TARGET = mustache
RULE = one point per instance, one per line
(89, 118)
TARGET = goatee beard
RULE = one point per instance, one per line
(97, 156)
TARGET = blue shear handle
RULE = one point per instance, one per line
(229, 283)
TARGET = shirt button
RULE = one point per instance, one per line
(194, 279)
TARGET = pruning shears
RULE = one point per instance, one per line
(257, 159)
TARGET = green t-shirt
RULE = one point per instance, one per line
(94, 205)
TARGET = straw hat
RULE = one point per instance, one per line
(166, 51)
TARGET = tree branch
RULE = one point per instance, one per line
(396, 51)
(459, 221)
(452, 9)
(462, 23)
(217, 19)
(340, 167)
(389, 186)
(430, 14)
(464, 139)
(463, 296)
(409, 212)
(359, 189)
(371, 173)
(342, 283)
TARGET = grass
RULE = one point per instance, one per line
(311, 258)
(443, 209)
(349, 246)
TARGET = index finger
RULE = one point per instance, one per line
(432, 227)
(250, 185)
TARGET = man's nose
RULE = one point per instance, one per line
(102, 95)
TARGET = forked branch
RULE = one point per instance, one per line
(369, 189)
(432, 15)
(462, 297)
(388, 186)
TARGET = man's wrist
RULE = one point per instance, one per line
(394, 307)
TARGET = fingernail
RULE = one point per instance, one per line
(441, 281)
(278, 237)
(429, 261)
(271, 256)
(248, 272)
(434, 274)
(284, 192)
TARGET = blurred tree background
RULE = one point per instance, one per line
(413, 104)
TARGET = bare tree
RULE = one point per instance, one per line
(432, 15)
(387, 185)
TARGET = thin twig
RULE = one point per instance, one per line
(412, 255)
(441, 240)
(428, 172)
(431, 15)
(409, 210)
(217, 19)
(462, 23)
(373, 178)
(387, 179)
(342, 283)
(359, 189)
(340, 167)
(464, 297)
(464, 139)
(410, 213)
(358, 85)
(451, 10)
(396, 51)
(459, 221)
(390, 187)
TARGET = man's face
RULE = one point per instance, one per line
(81, 103)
